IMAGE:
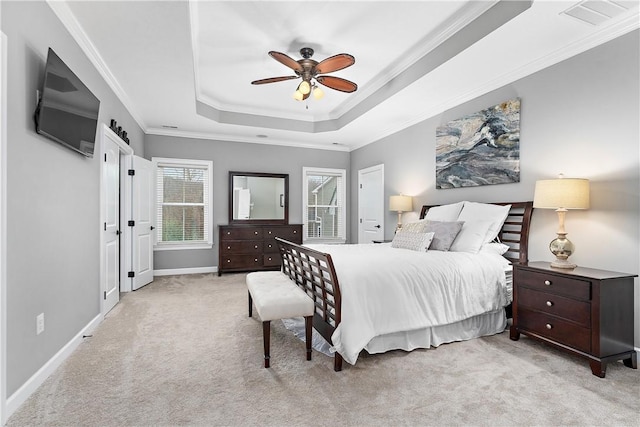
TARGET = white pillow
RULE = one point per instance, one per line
(497, 214)
(445, 212)
(414, 241)
(471, 237)
(495, 248)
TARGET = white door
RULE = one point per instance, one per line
(371, 204)
(143, 186)
(111, 228)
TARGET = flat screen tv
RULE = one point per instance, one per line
(67, 111)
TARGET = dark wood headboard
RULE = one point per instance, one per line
(514, 232)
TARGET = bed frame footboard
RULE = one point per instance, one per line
(314, 272)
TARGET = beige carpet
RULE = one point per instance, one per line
(182, 351)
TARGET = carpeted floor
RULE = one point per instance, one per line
(182, 351)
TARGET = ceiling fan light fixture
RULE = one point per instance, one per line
(297, 95)
(304, 87)
(318, 93)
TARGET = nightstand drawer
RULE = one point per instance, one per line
(546, 302)
(555, 328)
(241, 247)
(561, 285)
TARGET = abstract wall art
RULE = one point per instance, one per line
(480, 149)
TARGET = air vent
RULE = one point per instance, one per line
(595, 12)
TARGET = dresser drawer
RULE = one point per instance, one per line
(241, 261)
(271, 260)
(555, 328)
(240, 233)
(546, 302)
(241, 247)
(290, 233)
(271, 246)
(576, 288)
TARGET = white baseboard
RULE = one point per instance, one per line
(32, 384)
(179, 271)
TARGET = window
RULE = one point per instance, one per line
(183, 203)
(324, 205)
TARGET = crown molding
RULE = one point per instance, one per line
(68, 19)
(248, 140)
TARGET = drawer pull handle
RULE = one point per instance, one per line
(255, 260)
(295, 231)
(255, 232)
(547, 282)
(269, 258)
(228, 233)
(549, 326)
(269, 232)
(228, 260)
(256, 246)
(228, 247)
(549, 304)
(270, 245)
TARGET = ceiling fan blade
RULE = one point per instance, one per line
(335, 63)
(273, 80)
(337, 83)
(286, 60)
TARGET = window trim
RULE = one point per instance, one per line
(186, 163)
(323, 171)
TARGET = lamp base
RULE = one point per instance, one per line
(562, 263)
(562, 248)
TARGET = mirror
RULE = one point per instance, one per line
(258, 198)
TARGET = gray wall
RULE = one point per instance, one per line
(579, 117)
(244, 157)
(52, 199)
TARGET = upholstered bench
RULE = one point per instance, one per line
(278, 297)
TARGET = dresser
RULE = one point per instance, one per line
(584, 311)
(253, 247)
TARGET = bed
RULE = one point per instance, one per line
(381, 297)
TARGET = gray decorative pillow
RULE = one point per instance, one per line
(444, 233)
(409, 240)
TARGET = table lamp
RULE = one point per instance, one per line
(400, 204)
(561, 194)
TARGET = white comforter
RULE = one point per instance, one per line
(387, 290)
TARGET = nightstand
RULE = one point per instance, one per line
(584, 311)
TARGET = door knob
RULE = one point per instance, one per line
(152, 228)
(118, 232)
(377, 226)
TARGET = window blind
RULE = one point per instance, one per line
(183, 205)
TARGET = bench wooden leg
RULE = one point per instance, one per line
(250, 304)
(308, 337)
(266, 334)
(337, 362)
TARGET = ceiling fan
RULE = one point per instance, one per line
(308, 69)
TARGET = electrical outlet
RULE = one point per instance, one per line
(39, 323)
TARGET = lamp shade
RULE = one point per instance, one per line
(567, 193)
(400, 203)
